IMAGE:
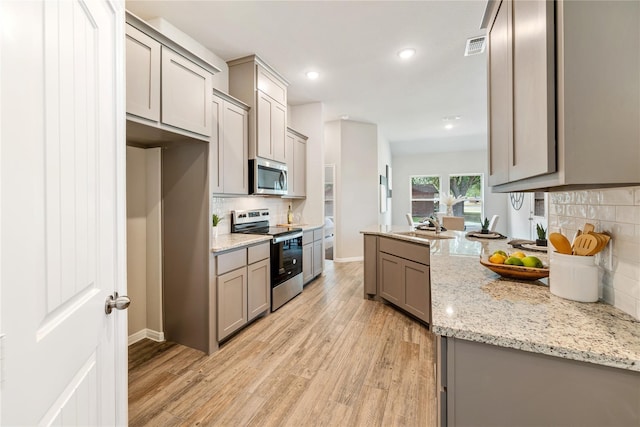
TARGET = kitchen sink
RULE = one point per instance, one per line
(430, 235)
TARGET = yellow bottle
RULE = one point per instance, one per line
(289, 216)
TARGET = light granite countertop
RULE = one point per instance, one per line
(305, 227)
(473, 303)
(229, 241)
(225, 242)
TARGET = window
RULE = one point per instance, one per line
(425, 196)
(470, 187)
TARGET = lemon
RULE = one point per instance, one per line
(531, 261)
(513, 260)
(518, 254)
(503, 253)
(497, 258)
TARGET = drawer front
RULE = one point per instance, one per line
(271, 85)
(307, 237)
(231, 260)
(318, 234)
(406, 250)
(258, 252)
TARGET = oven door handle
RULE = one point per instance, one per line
(280, 239)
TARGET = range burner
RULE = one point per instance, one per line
(256, 221)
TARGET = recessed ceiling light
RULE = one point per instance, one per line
(345, 117)
(448, 126)
(406, 53)
(312, 75)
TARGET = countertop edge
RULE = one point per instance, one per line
(226, 244)
(556, 351)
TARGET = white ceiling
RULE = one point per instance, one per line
(354, 45)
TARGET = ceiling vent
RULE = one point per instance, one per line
(475, 46)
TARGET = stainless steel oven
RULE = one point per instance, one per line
(286, 252)
(286, 268)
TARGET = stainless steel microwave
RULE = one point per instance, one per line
(267, 177)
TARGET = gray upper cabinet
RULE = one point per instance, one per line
(563, 81)
(168, 87)
(260, 87)
(229, 145)
(296, 160)
(186, 94)
(143, 75)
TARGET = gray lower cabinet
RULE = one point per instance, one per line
(487, 385)
(307, 262)
(258, 289)
(243, 287)
(232, 302)
(318, 256)
(312, 254)
(403, 276)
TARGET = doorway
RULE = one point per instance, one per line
(329, 210)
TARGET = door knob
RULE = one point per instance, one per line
(117, 302)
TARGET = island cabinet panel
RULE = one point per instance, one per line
(390, 274)
(403, 276)
(490, 385)
(370, 254)
(416, 288)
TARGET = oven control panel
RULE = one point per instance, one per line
(249, 216)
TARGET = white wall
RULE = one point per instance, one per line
(443, 164)
(308, 119)
(616, 212)
(358, 187)
(353, 147)
(144, 251)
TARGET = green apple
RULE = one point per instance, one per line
(531, 261)
(514, 260)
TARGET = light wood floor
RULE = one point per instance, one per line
(327, 358)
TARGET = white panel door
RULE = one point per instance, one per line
(62, 235)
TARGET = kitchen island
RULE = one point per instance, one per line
(510, 352)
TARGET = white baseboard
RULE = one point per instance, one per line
(352, 259)
(146, 333)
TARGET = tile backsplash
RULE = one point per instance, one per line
(616, 212)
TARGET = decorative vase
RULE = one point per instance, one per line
(484, 231)
(449, 210)
(214, 232)
(541, 242)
